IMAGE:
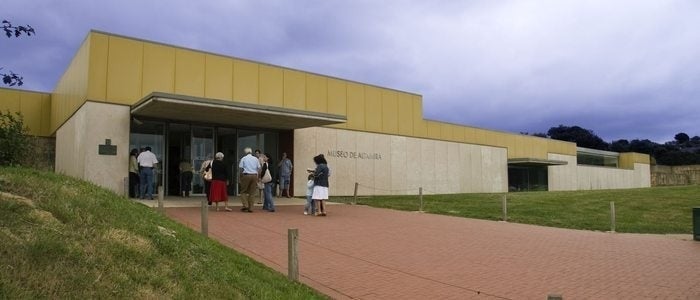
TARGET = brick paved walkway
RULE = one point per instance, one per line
(359, 252)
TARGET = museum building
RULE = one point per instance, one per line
(121, 93)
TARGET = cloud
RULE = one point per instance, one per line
(625, 69)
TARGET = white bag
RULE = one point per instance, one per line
(267, 177)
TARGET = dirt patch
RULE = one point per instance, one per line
(8, 196)
(128, 239)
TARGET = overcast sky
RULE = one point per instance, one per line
(626, 69)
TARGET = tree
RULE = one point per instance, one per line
(14, 142)
(581, 136)
(620, 146)
(643, 146)
(682, 138)
(12, 78)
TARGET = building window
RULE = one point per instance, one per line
(530, 178)
(591, 157)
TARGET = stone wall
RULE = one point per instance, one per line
(572, 177)
(42, 154)
(396, 165)
(675, 175)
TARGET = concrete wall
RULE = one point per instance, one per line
(385, 164)
(675, 175)
(78, 139)
(578, 177)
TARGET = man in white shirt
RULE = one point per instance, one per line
(250, 168)
(147, 161)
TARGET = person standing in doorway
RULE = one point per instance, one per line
(250, 168)
(219, 182)
(266, 179)
(285, 172)
(261, 187)
(147, 161)
(206, 165)
(133, 174)
(320, 193)
(185, 168)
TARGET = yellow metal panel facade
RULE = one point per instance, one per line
(30, 108)
(34, 107)
(627, 160)
(337, 100)
(72, 89)
(246, 81)
(158, 69)
(271, 86)
(219, 77)
(9, 100)
(390, 112)
(189, 73)
(458, 133)
(356, 106)
(434, 130)
(123, 70)
(445, 131)
(405, 114)
(420, 126)
(97, 47)
(124, 66)
(317, 93)
(45, 115)
(294, 89)
(373, 109)
(337, 96)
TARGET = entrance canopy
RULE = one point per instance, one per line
(237, 114)
(532, 162)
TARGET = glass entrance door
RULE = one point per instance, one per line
(150, 134)
(202, 150)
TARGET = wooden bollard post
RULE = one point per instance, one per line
(505, 208)
(205, 218)
(612, 216)
(126, 187)
(554, 297)
(160, 199)
(420, 196)
(354, 201)
(292, 259)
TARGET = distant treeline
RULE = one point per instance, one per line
(684, 150)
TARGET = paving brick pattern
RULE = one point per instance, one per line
(358, 252)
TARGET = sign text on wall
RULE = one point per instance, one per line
(354, 155)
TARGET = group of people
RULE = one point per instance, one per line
(141, 175)
(255, 176)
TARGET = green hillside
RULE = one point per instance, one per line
(65, 238)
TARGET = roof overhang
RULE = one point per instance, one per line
(231, 113)
(534, 162)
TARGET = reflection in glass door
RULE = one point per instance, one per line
(150, 134)
(226, 144)
(202, 150)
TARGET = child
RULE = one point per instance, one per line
(309, 208)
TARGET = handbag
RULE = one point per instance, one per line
(267, 177)
(208, 173)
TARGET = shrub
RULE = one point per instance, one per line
(14, 142)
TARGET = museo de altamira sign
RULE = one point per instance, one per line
(353, 155)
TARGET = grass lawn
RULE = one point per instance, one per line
(68, 239)
(648, 210)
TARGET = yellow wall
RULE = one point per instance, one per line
(35, 109)
(627, 160)
(122, 70)
(72, 89)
